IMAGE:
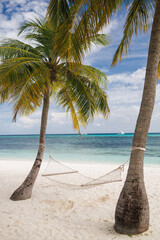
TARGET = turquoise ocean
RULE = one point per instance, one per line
(100, 148)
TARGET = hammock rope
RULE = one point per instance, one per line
(65, 176)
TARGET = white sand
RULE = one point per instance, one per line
(60, 214)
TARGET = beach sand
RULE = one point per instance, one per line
(55, 213)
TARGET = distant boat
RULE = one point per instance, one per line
(121, 132)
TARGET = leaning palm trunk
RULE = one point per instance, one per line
(132, 211)
(25, 190)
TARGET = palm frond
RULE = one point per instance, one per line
(92, 74)
(31, 26)
(22, 83)
(26, 97)
(76, 50)
(138, 20)
(10, 48)
(84, 91)
(59, 10)
(65, 99)
(14, 70)
(41, 33)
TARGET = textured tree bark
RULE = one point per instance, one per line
(132, 210)
(25, 190)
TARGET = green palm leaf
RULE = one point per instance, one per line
(10, 48)
(137, 21)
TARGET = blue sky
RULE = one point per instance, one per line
(125, 84)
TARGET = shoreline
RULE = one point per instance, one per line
(45, 161)
(55, 213)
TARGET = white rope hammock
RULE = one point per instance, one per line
(65, 176)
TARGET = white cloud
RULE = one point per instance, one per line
(28, 122)
(125, 92)
(16, 12)
(61, 118)
(136, 78)
(113, 25)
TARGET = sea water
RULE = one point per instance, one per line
(100, 148)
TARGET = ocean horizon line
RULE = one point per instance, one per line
(76, 134)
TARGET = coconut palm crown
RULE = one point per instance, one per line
(26, 71)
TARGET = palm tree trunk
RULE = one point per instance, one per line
(25, 190)
(132, 210)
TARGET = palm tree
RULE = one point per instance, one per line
(30, 75)
(132, 211)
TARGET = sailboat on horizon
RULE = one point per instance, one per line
(121, 132)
